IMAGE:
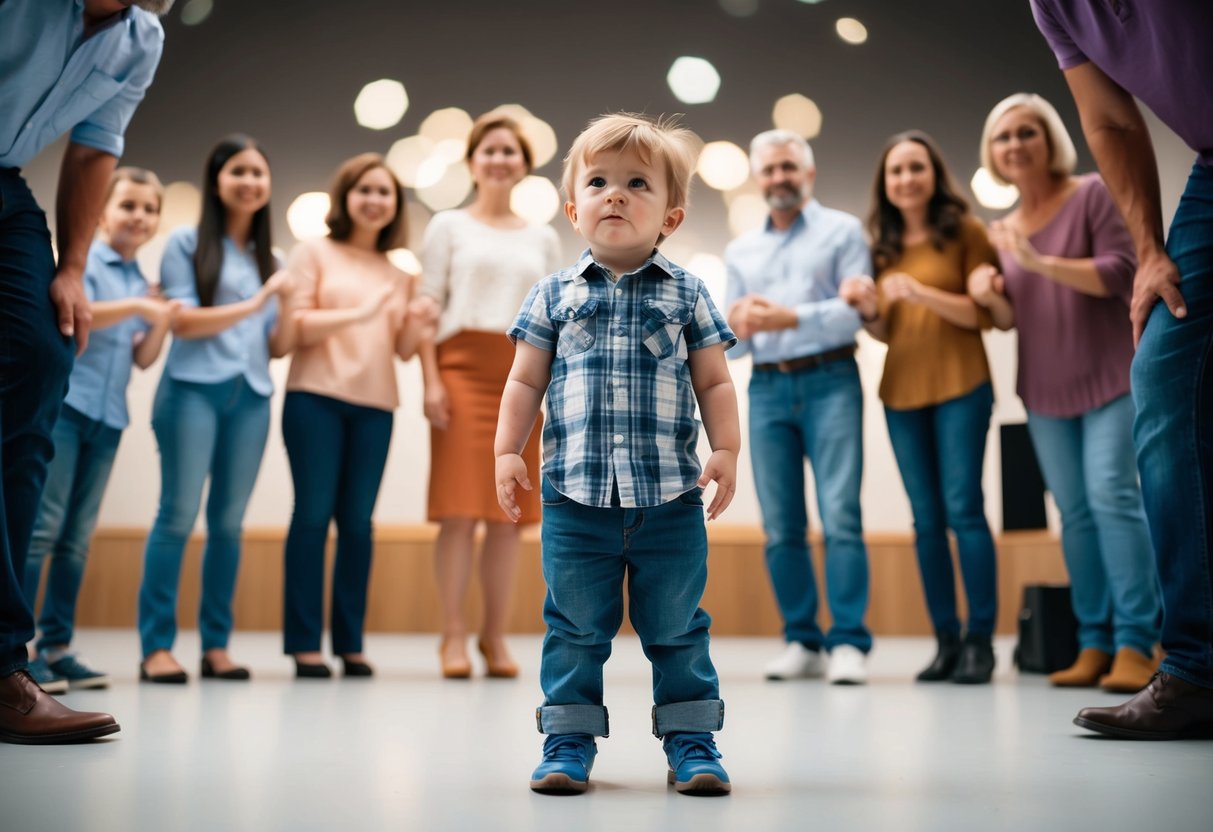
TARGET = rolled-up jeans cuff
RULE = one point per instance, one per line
(573, 719)
(703, 715)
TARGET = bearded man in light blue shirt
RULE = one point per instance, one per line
(66, 65)
(805, 402)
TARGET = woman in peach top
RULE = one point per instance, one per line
(478, 263)
(354, 314)
(936, 386)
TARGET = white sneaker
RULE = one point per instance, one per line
(848, 666)
(797, 662)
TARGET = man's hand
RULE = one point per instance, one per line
(71, 306)
(1157, 277)
(511, 473)
(721, 468)
(859, 293)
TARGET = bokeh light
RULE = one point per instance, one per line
(797, 113)
(723, 165)
(693, 80)
(381, 104)
(851, 30)
(449, 190)
(406, 157)
(306, 215)
(182, 205)
(542, 139)
(990, 193)
(535, 199)
(405, 260)
(711, 270)
(447, 123)
(747, 212)
(739, 8)
(196, 11)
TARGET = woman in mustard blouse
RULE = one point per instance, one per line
(936, 386)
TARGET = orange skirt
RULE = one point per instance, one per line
(473, 367)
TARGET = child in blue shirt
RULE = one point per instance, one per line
(624, 343)
(129, 328)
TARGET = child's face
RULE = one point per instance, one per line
(620, 206)
(244, 182)
(131, 216)
(371, 203)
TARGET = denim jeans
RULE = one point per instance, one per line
(1173, 392)
(1089, 464)
(663, 552)
(203, 430)
(84, 456)
(815, 414)
(940, 450)
(337, 452)
(35, 361)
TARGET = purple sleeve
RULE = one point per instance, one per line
(1111, 245)
(1066, 51)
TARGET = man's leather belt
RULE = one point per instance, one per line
(807, 362)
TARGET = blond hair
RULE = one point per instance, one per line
(656, 140)
(1062, 157)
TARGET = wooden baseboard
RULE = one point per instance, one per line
(403, 596)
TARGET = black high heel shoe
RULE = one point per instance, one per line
(312, 670)
(232, 674)
(356, 669)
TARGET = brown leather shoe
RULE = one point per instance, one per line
(1168, 708)
(1091, 664)
(1131, 671)
(30, 715)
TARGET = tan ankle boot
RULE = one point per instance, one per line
(1131, 671)
(1086, 671)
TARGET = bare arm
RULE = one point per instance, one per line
(956, 309)
(524, 389)
(83, 177)
(147, 350)
(859, 292)
(1120, 143)
(1078, 273)
(718, 406)
(106, 313)
(987, 289)
(208, 321)
(420, 323)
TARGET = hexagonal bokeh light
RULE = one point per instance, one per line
(447, 123)
(797, 113)
(535, 199)
(306, 215)
(990, 193)
(451, 188)
(723, 165)
(693, 80)
(406, 157)
(381, 104)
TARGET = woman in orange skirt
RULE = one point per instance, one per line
(478, 263)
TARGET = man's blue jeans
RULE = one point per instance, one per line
(337, 452)
(84, 456)
(203, 430)
(1089, 464)
(35, 361)
(940, 450)
(1173, 392)
(663, 553)
(815, 414)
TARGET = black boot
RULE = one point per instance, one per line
(976, 664)
(941, 668)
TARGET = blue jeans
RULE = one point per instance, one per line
(940, 450)
(35, 361)
(215, 430)
(84, 456)
(663, 551)
(1173, 392)
(1089, 465)
(815, 414)
(337, 452)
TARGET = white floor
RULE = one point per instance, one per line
(408, 750)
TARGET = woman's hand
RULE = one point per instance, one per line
(986, 285)
(437, 405)
(1006, 237)
(859, 292)
(901, 286)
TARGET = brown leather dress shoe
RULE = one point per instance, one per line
(1168, 708)
(30, 715)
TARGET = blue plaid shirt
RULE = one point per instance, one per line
(620, 406)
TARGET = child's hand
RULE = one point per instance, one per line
(424, 312)
(721, 468)
(511, 473)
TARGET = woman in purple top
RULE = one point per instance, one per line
(1066, 283)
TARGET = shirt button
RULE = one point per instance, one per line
(619, 439)
(618, 292)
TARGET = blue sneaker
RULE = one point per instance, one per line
(78, 674)
(567, 760)
(47, 679)
(693, 764)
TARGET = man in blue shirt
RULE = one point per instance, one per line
(67, 65)
(805, 402)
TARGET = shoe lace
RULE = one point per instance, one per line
(683, 747)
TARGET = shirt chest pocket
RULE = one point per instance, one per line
(86, 99)
(575, 325)
(662, 327)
